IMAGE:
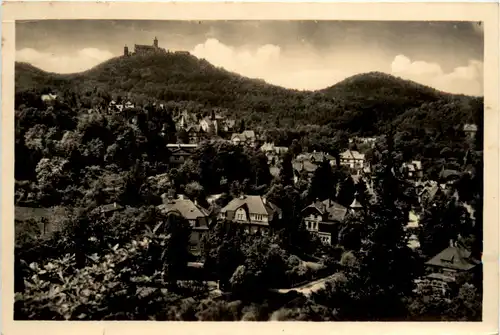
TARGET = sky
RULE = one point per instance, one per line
(305, 55)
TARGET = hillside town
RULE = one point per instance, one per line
(136, 208)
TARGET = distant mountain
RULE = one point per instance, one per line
(363, 103)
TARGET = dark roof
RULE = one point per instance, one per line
(335, 211)
(454, 257)
(187, 208)
(449, 173)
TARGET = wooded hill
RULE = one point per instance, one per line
(365, 103)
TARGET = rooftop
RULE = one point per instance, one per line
(186, 207)
(454, 257)
(336, 212)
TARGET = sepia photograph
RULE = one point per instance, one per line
(248, 170)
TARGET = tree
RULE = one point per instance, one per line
(346, 192)
(286, 171)
(323, 183)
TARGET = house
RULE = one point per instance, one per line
(451, 261)
(252, 211)
(470, 130)
(247, 137)
(412, 170)
(49, 97)
(273, 152)
(180, 152)
(316, 157)
(194, 132)
(128, 105)
(428, 192)
(209, 125)
(303, 167)
(353, 159)
(228, 125)
(196, 215)
(323, 218)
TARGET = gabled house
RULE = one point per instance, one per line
(412, 170)
(303, 167)
(49, 97)
(196, 215)
(128, 105)
(323, 218)
(252, 211)
(209, 125)
(470, 130)
(228, 125)
(273, 152)
(428, 192)
(353, 159)
(451, 261)
(180, 152)
(194, 132)
(247, 137)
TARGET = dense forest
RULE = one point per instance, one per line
(74, 156)
(365, 104)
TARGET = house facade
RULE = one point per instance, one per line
(323, 218)
(247, 137)
(179, 153)
(273, 152)
(196, 215)
(252, 211)
(352, 159)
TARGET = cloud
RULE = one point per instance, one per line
(268, 62)
(463, 79)
(80, 61)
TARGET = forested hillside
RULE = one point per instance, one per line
(365, 104)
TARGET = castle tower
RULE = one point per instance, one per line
(125, 51)
(155, 42)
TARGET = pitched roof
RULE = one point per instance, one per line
(352, 154)
(355, 204)
(304, 165)
(453, 257)
(254, 203)
(470, 127)
(186, 207)
(431, 190)
(194, 127)
(336, 212)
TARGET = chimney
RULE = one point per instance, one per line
(452, 243)
(264, 200)
(114, 204)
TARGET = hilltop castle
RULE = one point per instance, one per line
(144, 49)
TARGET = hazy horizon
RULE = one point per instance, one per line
(305, 55)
